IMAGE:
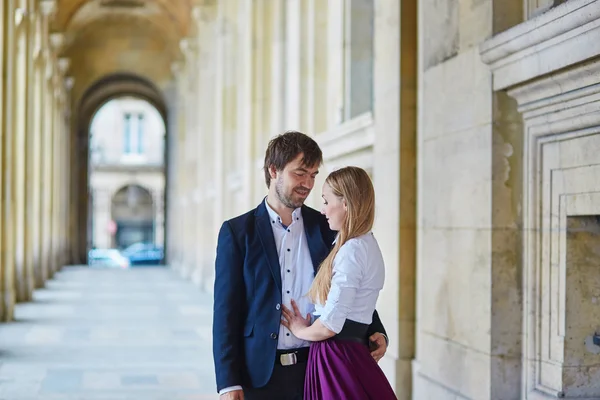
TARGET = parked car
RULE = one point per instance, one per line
(143, 254)
(111, 258)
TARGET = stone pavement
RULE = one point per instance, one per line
(106, 334)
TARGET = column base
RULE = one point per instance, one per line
(8, 300)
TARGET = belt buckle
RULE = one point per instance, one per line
(288, 359)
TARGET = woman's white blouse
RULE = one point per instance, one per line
(358, 276)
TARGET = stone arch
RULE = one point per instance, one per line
(94, 97)
(133, 211)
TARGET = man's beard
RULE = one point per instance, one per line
(287, 201)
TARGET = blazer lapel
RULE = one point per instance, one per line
(265, 233)
(316, 246)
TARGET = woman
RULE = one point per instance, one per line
(344, 292)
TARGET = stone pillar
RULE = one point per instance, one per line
(102, 217)
(24, 274)
(245, 108)
(44, 61)
(278, 63)
(34, 170)
(7, 295)
(335, 63)
(394, 174)
(293, 88)
(218, 149)
(189, 47)
(159, 217)
(205, 17)
(46, 160)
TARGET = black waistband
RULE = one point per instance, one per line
(353, 331)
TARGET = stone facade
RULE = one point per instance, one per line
(478, 121)
(127, 149)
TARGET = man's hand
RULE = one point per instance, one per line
(379, 346)
(233, 395)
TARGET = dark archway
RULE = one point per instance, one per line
(99, 93)
(132, 210)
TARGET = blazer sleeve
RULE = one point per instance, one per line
(227, 318)
(376, 326)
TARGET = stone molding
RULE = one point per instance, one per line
(47, 7)
(563, 36)
(550, 66)
(351, 137)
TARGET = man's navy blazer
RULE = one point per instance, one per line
(247, 294)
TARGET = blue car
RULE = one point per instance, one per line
(144, 254)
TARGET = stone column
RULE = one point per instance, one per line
(394, 173)
(7, 295)
(59, 195)
(34, 165)
(205, 18)
(24, 274)
(335, 63)
(46, 160)
(189, 47)
(217, 134)
(293, 89)
(245, 108)
(278, 64)
(55, 86)
(159, 217)
(102, 218)
(47, 9)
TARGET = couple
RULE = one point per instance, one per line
(283, 261)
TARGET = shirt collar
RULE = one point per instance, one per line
(273, 216)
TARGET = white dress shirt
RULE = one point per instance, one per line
(358, 276)
(297, 274)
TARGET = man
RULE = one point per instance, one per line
(266, 258)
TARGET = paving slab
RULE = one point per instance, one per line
(108, 334)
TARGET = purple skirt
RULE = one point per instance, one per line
(344, 370)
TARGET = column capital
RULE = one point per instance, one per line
(20, 15)
(189, 47)
(57, 39)
(177, 67)
(63, 65)
(47, 7)
(69, 82)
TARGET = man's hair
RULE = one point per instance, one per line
(285, 147)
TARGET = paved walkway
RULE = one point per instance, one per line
(99, 334)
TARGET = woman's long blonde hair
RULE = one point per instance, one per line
(353, 185)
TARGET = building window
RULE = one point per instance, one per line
(140, 133)
(127, 134)
(134, 133)
(359, 33)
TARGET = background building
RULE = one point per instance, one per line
(127, 149)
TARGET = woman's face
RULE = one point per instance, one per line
(334, 208)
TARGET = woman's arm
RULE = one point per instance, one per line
(301, 327)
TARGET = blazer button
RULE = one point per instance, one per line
(278, 307)
(273, 336)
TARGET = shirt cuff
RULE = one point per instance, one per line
(229, 389)
(387, 341)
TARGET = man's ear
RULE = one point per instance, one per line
(273, 171)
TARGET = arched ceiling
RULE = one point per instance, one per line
(137, 37)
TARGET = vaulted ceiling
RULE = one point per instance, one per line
(104, 37)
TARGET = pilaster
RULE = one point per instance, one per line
(24, 271)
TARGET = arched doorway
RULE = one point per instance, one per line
(133, 214)
(126, 174)
(84, 198)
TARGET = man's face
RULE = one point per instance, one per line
(294, 183)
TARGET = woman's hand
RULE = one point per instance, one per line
(293, 320)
